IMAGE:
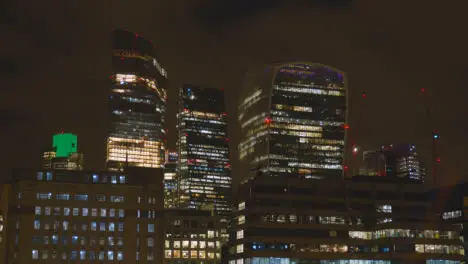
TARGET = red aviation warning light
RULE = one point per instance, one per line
(346, 126)
(346, 167)
(423, 90)
(438, 160)
(364, 95)
(268, 120)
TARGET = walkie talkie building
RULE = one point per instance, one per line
(293, 121)
(137, 104)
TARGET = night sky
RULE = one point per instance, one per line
(55, 62)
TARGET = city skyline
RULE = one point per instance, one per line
(372, 54)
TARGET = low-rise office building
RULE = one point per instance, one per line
(192, 237)
(290, 220)
(84, 217)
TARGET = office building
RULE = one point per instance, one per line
(192, 237)
(293, 121)
(170, 180)
(203, 173)
(137, 104)
(395, 161)
(451, 203)
(83, 216)
(290, 221)
(64, 155)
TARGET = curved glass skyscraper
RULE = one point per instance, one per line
(292, 119)
(137, 104)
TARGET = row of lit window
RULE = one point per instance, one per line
(79, 197)
(193, 254)
(282, 116)
(103, 227)
(192, 244)
(78, 255)
(57, 211)
(343, 248)
(316, 91)
(268, 260)
(75, 240)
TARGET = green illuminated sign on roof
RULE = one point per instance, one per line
(65, 144)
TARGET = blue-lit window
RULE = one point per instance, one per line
(150, 228)
(40, 176)
(49, 176)
(81, 197)
(122, 179)
(55, 239)
(114, 179)
(63, 196)
(74, 240)
(95, 178)
(73, 255)
(121, 227)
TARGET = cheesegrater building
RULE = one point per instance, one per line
(293, 121)
(137, 103)
(204, 179)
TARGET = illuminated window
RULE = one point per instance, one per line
(117, 199)
(241, 220)
(37, 210)
(103, 212)
(185, 254)
(201, 254)
(241, 206)
(176, 244)
(240, 234)
(150, 228)
(35, 254)
(211, 234)
(150, 256)
(193, 244)
(84, 212)
(81, 197)
(37, 224)
(185, 244)
(168, 253)
(110, 255)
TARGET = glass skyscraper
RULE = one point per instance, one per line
(137, 104)
(204, 179)
(293, 121)
(396, 161)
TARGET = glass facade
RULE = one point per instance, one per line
(203, 168)
(170, 181)
(137, 104)
(400, 161)
(293, 122)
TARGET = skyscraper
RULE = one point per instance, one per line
(293, 121)
(170, 180)
(204, 179)
(399, 161)
(64, 155)
(137, 104)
